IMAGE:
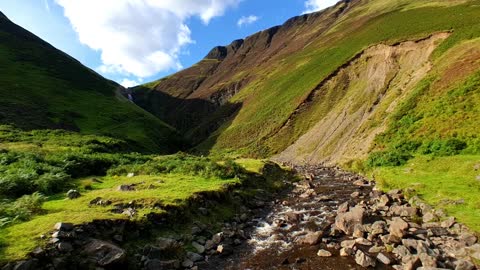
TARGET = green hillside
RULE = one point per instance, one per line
(42, 87)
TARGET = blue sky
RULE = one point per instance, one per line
(137, 41)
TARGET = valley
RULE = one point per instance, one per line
(342, 139)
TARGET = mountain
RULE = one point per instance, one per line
(44, 88)
(335, 86)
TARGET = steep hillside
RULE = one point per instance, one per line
(324, 85)
(43, 88)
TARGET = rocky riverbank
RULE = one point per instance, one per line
(330, 219)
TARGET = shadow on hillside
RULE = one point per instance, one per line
(195, 119)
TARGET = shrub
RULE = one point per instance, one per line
(450, 147)
(388, 158)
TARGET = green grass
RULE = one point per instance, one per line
(440, 181)
(42, 87)
(173, 189)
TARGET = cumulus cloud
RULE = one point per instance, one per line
(139, 37)
(130, 83)
(317, 5)
(246, 20)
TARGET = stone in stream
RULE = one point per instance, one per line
(364, 260)
(194, 257)
(324, 253)
(346, 251)
(200, 249)
(311, 239)
(346, 221)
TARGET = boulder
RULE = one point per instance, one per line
(364, 260)
(398, 227)
(73, 194)
(346, 222)
(104, 254)
(468, 238)
(448, 223)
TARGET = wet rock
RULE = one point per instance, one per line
(73, 194)
(398, 227)
(104, 253)
(383, 259)
(346, 222)
(324, 253)
(311, 238)
(364, 260)
(62, 226)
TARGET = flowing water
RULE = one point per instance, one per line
(274, 232)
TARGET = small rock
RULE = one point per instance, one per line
(448, 223)
(200, 249)
(126, 188)
(383, 259)
(363, 259)
(464, 265)
(194, 257)
(355, 194)
(468, 238)
(61, 226)
(348, 243)
(376, 249)
(428, 261)
(311, 238)
(345, 252)
(220, 249)
(346, 222)
(187, 263)
(64, 247)
(324, 253)
(429, 217)
(363, 241)
(398, 227)
(73, 194)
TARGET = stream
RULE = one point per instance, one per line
(274, 234)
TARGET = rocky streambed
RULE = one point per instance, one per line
(330, 219)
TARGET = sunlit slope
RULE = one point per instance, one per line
(42, 87)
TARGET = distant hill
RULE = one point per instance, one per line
(44, 88)
(336, 85)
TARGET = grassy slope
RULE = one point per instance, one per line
(175, 189)
(42, 87)
(287, 85)
(443, 182)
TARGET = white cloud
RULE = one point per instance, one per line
(317, 5)
(139, 37)
(244, 20)
(130, 83)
